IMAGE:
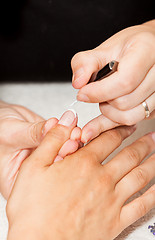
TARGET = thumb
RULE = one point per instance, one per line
(27, 134)
(85, 64)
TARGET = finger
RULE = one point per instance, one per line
(76, 134)
(19, 134)
(128, 117)
(95, 127)
(106, 143)
(33, 133)
(13, 170)
(137, 179)
(85, 63)
(131, 156)
(131, 72)
(54, 139)
(137, 208)
(69, 147)
(50, 123)
(142, 92)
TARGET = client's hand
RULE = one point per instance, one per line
(21, 132)
(78, 198)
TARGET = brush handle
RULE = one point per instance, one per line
(105, 71)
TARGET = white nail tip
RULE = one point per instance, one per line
(73, 111)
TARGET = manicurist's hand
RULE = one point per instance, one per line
(79, 198)
(120, 95)
(21, 131)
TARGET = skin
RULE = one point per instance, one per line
(21, 132)
(121, 94)
(79, 198)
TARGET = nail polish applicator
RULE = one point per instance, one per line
(106, 71)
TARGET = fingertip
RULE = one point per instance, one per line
(79, 82)
(58, 158)
(76, 134)
(50, 123)
(69, 147)
(69, 118)
(87, 135)
(126, 131)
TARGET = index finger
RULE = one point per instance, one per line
(49, 148)
(100, 148)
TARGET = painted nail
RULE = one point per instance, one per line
(78, 75)
(153, 136)
(83, 98)
(67, 118)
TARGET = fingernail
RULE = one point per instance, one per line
(67, 118)
(46, 128)
(48, 125)
(78, 74)
(153, 136)
(83, 98)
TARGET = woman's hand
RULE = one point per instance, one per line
(120, 95)
(21, 132)
(79, 198)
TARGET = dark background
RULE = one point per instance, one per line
(39, 37)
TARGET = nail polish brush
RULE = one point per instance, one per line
(106, 71)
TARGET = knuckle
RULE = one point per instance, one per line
(127, 119)
(115, 136)
(80, 56)
(106, 179)
(60, 133)
(145, 144)
(146, 37)
(127, 85)
(141, 177)
(87, 166)
(89, 158)
(132, 156)
(33, 133)
(121, 103)
(142, 209)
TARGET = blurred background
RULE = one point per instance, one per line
(39, 37)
